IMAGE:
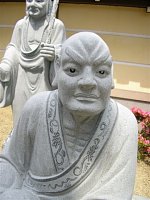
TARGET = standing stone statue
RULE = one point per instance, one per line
(74, 143)
(28, 63)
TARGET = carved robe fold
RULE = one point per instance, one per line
(30, 73)
(38, 156)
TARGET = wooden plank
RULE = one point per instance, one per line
(131, 95)
(128, 3)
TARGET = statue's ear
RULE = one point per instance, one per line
(112, 72)
(56, 69)
(113, 84)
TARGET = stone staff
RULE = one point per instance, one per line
(52, 19)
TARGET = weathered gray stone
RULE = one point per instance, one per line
(74, 143)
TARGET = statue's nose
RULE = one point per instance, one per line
(32, 3)
(87, 80)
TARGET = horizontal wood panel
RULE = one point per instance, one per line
(136, 50)
(5, 37)
(135, 3)
(132, 3)
(132, 78)
(105, 18)
(10, 13)
(131, 95)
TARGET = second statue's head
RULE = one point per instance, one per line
(38, 8)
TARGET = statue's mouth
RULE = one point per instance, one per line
(33, 10)
(86, 97)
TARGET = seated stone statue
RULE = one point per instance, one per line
(28, 63)
(74, 143)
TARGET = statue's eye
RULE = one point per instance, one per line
(72, 70)
(39, 1)
(29, 1)
(101, 72)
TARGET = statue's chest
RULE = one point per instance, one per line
(34, 35)
(75, 144)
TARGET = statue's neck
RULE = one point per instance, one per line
(78, 121)
(36, 23)
(35, 30)
(78, 131)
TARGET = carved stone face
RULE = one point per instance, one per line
(37, 8)
(85, 74)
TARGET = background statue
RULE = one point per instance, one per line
(73, 143)
(28, 63)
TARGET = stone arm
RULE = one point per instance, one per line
(8, 67)
(118, 177)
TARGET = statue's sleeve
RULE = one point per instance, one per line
(115, 176)
(10, 61)
(58, 33)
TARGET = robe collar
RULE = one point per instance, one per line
(26, 51)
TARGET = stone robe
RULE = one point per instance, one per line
(30, 73)
(37, 159)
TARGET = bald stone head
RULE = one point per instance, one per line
(85, 74)
(86, 46)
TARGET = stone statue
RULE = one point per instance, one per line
(73, 143)
(28, 63)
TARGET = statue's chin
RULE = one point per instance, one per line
(86, 110)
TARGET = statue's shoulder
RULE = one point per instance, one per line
(20, 22)
(37, 102)
(58, 22)
(125, 112)
(126, 115)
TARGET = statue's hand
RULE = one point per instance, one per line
(5, 72)
(48, 51)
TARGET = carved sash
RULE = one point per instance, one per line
(78, 171)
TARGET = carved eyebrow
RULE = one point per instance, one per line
(74, 55)
(79, 59)
(104, 60)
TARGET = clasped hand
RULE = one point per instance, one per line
(47, 51)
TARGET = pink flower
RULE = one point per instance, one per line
(148, 149)
(143, 140)
(134, 109)
(146, 142)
